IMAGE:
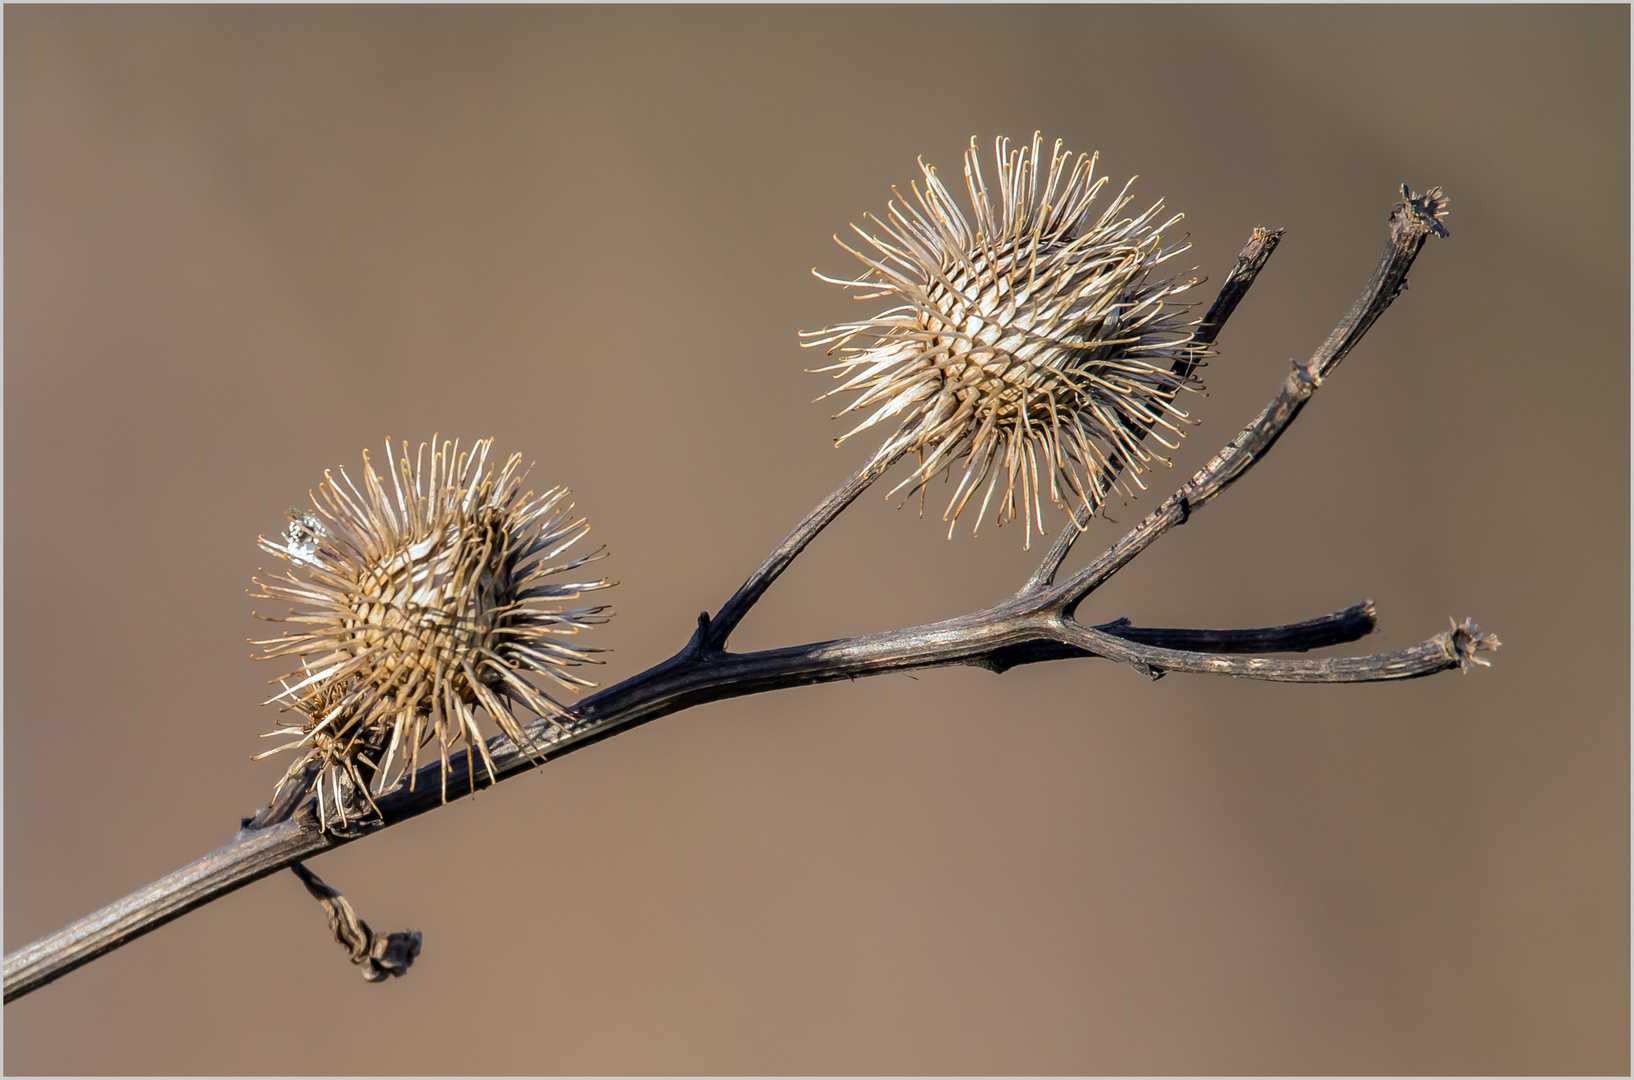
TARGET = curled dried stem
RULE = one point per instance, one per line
(381, 958)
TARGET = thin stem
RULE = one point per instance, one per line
(726, 620)
(247, 857)
(1255, 254)
(1449, 649)
(1414, 220)
(380, 957)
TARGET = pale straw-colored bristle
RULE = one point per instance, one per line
(1032, 346)
(417, 603)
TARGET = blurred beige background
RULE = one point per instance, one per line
(244, 243)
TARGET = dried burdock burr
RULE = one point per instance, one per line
(421, 600)
(1032, 346)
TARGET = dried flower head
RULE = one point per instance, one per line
(1035, 342)
(1468, 642)
(420, 603)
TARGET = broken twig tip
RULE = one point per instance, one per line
(1425, 211)
(1467, 640)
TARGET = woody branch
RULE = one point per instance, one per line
(1037, 624)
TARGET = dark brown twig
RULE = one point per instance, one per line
(732, 612)
(1034, 626)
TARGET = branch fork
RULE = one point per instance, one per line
(1036, 624)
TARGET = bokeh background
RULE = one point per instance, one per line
(242, 244)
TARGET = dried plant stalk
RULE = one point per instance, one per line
(1037, 624)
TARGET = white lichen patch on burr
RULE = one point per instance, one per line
(1032, 346)
(417, 605)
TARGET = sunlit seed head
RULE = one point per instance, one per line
(419, 600)
(1031, 348)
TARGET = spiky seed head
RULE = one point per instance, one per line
(1031, 347)
(419, 600)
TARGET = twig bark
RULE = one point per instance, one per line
(1035, 625)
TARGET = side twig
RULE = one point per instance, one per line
(1342, 627)
(1415, 220)
(380, 957)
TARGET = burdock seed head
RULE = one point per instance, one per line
(1032, 347)
(420, 600)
